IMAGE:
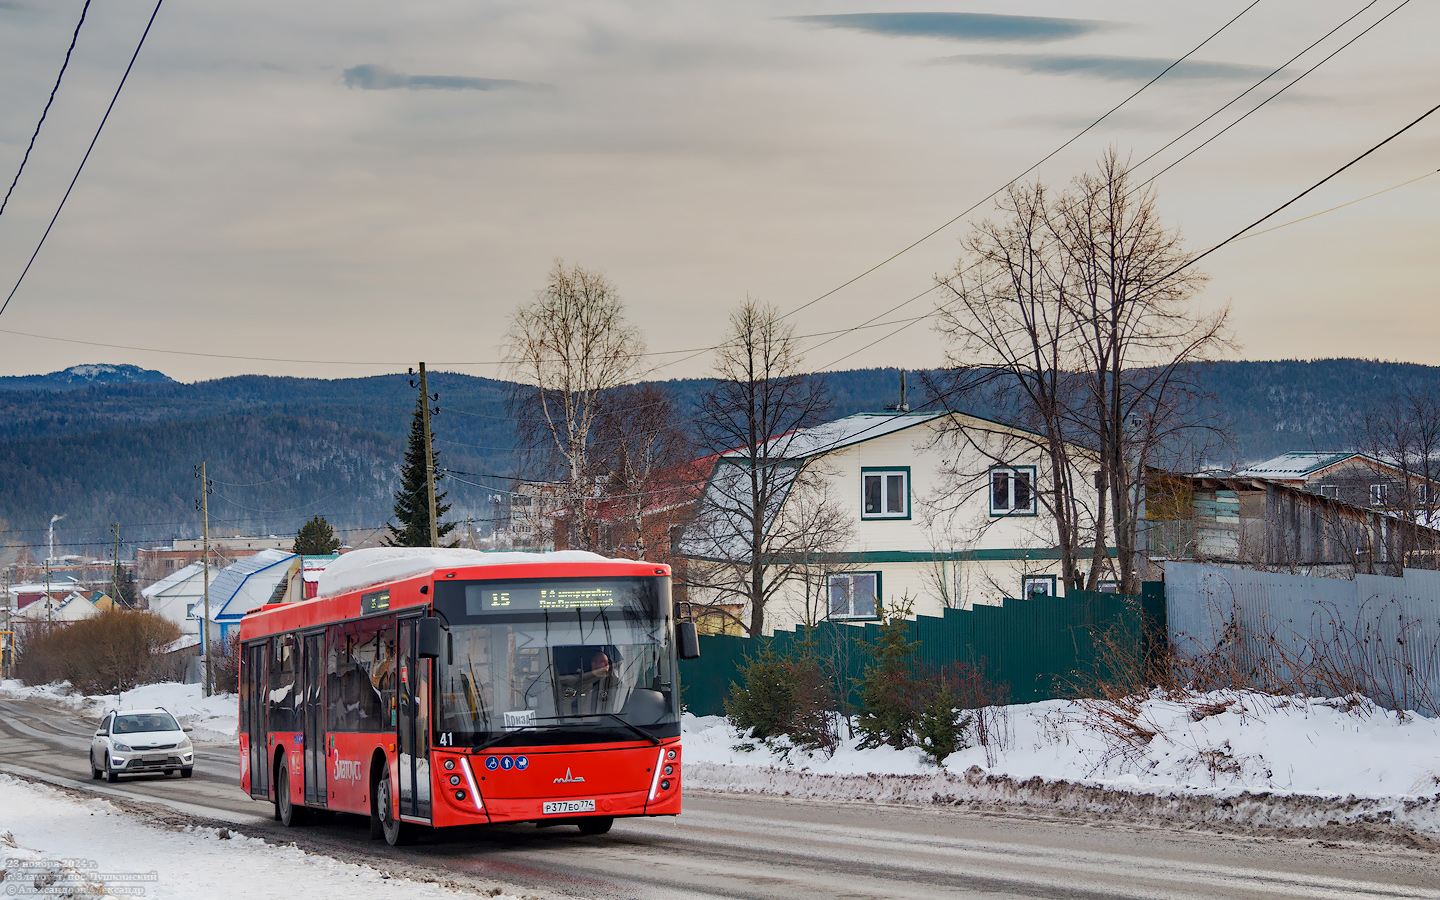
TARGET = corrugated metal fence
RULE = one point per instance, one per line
(1324, 636)
(1039, 648)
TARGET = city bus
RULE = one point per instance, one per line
(440, 688)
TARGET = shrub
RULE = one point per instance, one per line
(113, 650)
(785, 697)
(906, 703)
(890, 700)
(225, 666)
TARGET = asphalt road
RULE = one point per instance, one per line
(750, 847)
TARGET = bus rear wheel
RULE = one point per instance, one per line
(285, 810)
(596, 824)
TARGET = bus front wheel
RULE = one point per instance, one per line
(596, 824)
(394, 830)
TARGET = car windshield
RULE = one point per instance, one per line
(555, 661)
(135, 723)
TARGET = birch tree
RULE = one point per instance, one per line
(763, 524)
(565, 350)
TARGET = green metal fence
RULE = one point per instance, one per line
(1040, 648)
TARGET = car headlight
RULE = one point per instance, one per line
(122, 747)
(184, 744)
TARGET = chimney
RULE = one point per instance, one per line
(903, 405)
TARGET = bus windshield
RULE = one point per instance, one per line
(551, 661)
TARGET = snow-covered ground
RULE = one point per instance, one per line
(1219, 744)
(213, 718)
(56, 845)
(1307, 752)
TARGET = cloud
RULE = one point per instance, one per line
(960, 26)
(1110, 68)
(379, 78)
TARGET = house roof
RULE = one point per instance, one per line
(174, 579)
(226, 587)
(831, 436)
(1297, 464)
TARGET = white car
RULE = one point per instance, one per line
(141, 740)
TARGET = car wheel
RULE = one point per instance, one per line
(110, 774)
(285, 810)
(596, 824)
(95, 773)
(187, 772)
(396, 832)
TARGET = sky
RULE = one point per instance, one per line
(356, 187)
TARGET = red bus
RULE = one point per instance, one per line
(467, 688)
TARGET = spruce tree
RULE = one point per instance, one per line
(412, 501)
(316, 538)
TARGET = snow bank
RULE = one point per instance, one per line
(91, 849)
(362, 568)
(1221, 746)
(213, 718)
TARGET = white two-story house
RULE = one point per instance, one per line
(938, 510)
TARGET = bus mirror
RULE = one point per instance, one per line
(687, 640)
(427, 638)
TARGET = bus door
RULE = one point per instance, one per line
(312, 713)
(413, 698)
(257, 684)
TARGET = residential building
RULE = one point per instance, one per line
(156, 563)
(1355, 478)
(245, 584)
(1281, 525)
(938, 510)
(179, 596)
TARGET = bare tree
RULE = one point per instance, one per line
(762, 520)
(1132, 306)
(1076, 312)
(565, 350)
(642, 448)
(1008, 320)
(1404, 431)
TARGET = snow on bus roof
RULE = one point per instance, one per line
(376, 565)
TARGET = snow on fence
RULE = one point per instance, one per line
(1040, 648)
(1376, 635)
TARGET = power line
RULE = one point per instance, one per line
(1032, 168)
(1277, 210)
(1282, 90)
(46, 111)
(1238, 97)
(83, 159)
(1341, 206)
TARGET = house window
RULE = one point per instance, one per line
(1012, 491)
(1330, 490)
(1422, 494)
(1039, 584)
(853, 595)
(1108, 587)
(1378, 494)
(190, 611)
(885, 493)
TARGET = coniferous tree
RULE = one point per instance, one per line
(316, 538)
(412, 503)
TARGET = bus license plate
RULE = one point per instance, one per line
(560, 807)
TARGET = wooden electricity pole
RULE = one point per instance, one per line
(429, 456)
(205, 550)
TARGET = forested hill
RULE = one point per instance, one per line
(283, 449)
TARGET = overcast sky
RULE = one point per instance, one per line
(385, 182)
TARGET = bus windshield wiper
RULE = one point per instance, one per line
(643, 735)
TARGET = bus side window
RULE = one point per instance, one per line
(337, 657)
(282, 684)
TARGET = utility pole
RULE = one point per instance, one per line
(115, 579)
(49, 606)
(205, 550)
(7, 648)
(429, 456)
